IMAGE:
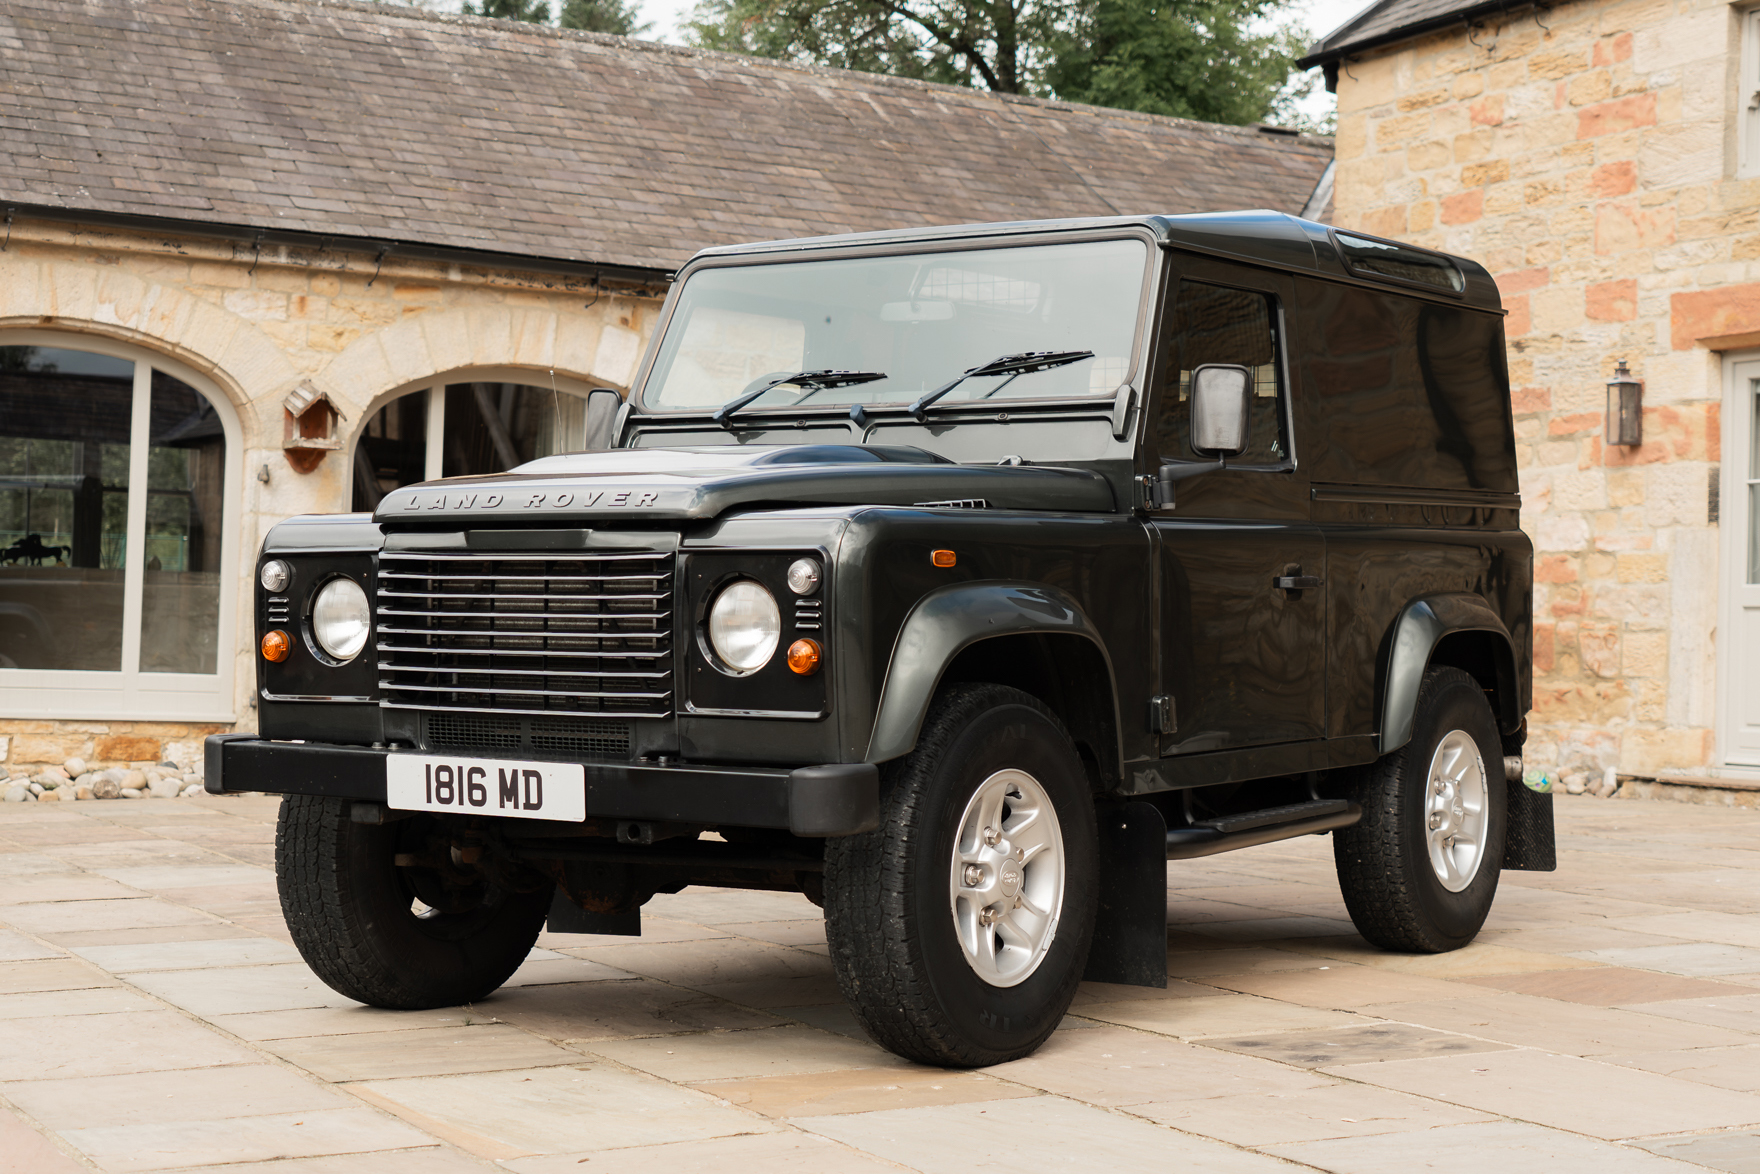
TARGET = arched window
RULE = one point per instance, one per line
(118, 521)
(453, 429)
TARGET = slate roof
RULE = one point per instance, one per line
(1388, 21)
(388, 123)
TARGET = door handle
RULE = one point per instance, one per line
(1296, 582)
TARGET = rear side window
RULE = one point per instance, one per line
(1216, 324)
(1404, 392)
(1386, 259)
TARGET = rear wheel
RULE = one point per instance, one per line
(384, 916)
(1420, 871)
(960, 927)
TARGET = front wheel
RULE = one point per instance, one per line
(384, 917)
(1420, 871)
(960, 927)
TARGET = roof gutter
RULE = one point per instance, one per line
(1330, 56)
(376, 248)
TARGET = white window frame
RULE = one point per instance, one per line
(1747, 96)
(130, 694)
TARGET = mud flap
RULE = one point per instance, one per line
(1529, 844)
(1130, 924)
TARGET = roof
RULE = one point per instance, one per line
(1259, 237)
(391, 124)
(1388, 21)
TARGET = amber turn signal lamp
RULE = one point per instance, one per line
(943, 558)
(803, 657)
(276, 646)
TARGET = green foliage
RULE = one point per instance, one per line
(998, 45)
(530, 11)
(1215, 60)
(1212, 60)
(603, 16)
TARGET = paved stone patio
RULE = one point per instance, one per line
(154, 1017)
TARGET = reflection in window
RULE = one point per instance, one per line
(485, 428)
(186, 458)
(64, 462)
(1233, 327)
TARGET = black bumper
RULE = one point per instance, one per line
(836, 800)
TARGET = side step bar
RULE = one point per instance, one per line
(1225, 833)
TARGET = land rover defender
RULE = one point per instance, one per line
(957, 578)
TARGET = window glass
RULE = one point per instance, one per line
(484, 428)
(186, 461)
(1754, 483)
(1214, 324)
(64, 460)
(919, 319)
(1391, 260)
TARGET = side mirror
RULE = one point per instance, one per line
(602, 405)
(1222, 400)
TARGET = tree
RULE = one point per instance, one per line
(1217, 60)
(603, 16)
(530, 11)
(1213, 60)
(994, 44)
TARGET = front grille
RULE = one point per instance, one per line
(576, 635)
(573, 736)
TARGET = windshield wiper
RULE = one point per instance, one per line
(1012, 366)
(813, 379)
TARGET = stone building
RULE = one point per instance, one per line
(1603, 160)
(262, 257)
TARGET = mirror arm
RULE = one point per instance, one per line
(1176, 471)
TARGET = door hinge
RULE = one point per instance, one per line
(1162, 719)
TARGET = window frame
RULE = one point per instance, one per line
(128, 694)
(1747, 94)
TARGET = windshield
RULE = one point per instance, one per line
(916, 321)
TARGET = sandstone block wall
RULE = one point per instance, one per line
(1586, 155)
(259, 322)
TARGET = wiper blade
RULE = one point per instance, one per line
(813, 379)
(1012, 366)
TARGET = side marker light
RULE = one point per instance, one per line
(803, 657)
(276, 646)
(943, 558)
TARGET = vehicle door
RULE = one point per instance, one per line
(1242, 603)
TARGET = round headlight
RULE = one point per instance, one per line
(803, 576)
(341, 619)
(744, 625)
(275, 575)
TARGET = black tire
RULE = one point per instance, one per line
(1396, 897)
(898, 958)
(350, 910)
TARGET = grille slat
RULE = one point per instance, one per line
(515, 634)
(520, 651)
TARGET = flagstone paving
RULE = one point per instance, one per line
(154, 1017)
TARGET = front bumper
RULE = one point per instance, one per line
(839, 799)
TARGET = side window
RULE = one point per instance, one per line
(1215, 324)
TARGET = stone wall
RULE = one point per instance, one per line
(259, 322)
(1585, 154)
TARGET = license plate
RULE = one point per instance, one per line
(486, 786)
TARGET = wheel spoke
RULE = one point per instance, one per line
(1014, 934)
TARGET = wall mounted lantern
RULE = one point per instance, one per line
(1625, 408)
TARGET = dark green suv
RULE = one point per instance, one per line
(958, 579)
